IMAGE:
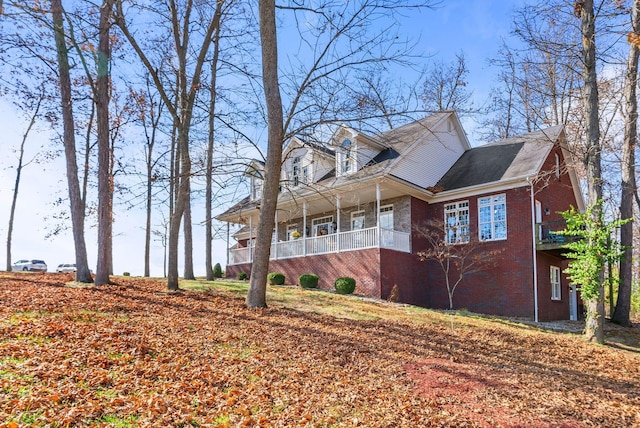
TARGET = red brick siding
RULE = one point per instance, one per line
(551, 310)
(555, 194)
(363, 265)
(505, 288)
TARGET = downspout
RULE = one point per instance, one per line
(534, 239)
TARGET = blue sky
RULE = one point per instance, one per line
(474, 28)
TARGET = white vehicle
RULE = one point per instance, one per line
(66, 267)
(29, 265)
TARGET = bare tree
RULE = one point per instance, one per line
(445, 87)
(209, 160)
(347, 38)
(83, 274)
(190, 57)
(105, 190)
(256, 297)
(457, 261)
(35, 112)
(621, 314)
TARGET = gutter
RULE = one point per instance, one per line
(535, 252)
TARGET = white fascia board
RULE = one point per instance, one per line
(575, 183)
(493, 187)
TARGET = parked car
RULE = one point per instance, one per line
(30, 265)
(66, 267)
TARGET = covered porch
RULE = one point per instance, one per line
(357, 218)
(373, 237)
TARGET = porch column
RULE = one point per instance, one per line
(338, 223)
(378, 212)
(250, 234)
(304, 228)
(228, 242)
(275, 242)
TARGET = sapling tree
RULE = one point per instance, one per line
(458, 260)
(589, 255)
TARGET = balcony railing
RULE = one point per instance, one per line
(548, 236)
(333, 243)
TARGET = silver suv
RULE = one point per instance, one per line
(30, 265)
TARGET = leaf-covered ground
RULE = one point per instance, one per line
(133, 354)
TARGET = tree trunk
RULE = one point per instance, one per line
(256, 296)
(209, 167)
(14, 199)
(76, 204)
(594, 329)
(104, 148)
(147, 230)
(621, 314)
(188, 239)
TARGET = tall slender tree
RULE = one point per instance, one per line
(105, 189)
(256, 297)
(190, 58)
(347, 39)
(20, 165)
(83, 274)
(621, 314)
(594, 327)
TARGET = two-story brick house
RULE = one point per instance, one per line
(349, 209)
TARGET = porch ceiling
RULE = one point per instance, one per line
(326, 202)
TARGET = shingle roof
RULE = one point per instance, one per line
(480, 165)
(510, 158)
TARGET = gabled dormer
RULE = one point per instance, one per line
(353, 150)
(255, 172)
(303, 164)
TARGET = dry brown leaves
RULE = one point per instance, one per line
(132, 354)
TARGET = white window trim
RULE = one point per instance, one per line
(458, 207)
(555, 275)
(256, 188)
(319, 221)
(386, 209)
(341, 157)
(357, 215)
(491, 205)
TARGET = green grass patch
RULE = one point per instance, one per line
(116, 421)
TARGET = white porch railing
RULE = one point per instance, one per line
(333, 243)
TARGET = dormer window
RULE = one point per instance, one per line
(345, 158)
(256, 187)
(296, 171)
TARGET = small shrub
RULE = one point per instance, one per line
(308, 280)
(275, 278)
(217, 271)
(242, 276)
(126, 274)
(345, 285)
